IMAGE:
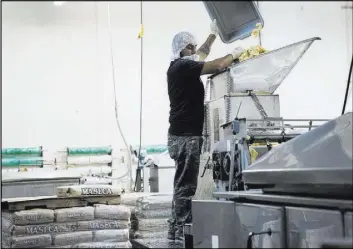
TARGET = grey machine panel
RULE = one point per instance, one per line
(309, 228)
(214, 224)
(258, 219)
(316, 162)
(348, 220)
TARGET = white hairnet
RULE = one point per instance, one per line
(180, 41)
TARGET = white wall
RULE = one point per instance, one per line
(57, 77)
(316, 86)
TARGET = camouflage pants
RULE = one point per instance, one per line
(185, 151)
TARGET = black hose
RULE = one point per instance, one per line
(347, 88)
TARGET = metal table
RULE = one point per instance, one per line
(36, 186)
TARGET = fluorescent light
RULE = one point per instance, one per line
(58, 3)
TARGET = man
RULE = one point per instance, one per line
(186, 95)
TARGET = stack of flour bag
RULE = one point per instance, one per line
(98, 226)
(150, 213)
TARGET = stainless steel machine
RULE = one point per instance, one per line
(297, 195)
(243, 110)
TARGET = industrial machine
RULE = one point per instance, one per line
(297, 195)
(243, 114)
(298, 191)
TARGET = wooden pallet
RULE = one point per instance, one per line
(54, 202)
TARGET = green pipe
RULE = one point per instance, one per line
(33, 151)
(151, 149)
(15, 162)
(89, 150)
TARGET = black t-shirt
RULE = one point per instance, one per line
(186, 94)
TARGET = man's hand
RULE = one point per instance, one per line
(214, 28)
(237, 52)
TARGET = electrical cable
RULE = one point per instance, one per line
(347, 88)
(138, 171)
(116, 103)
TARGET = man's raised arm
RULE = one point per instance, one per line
(205, 48)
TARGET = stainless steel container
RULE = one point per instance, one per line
(35, 187)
